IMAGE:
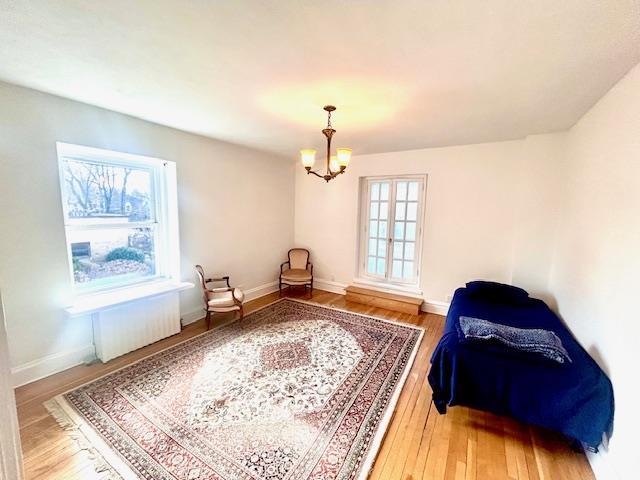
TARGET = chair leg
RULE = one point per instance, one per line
(311, 289)
(241, 312)
(279, 288)
(208, 319)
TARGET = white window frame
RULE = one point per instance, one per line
(165, 214)
(386, 281)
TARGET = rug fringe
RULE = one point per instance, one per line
(100, 465)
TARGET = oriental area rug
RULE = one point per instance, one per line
(292, 391)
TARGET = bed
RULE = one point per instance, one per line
(574, 398)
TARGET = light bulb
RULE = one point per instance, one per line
(333, 163)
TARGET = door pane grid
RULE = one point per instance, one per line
(405, 230)
(377, 237)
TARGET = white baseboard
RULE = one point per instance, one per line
(260, 290)
(434, 306)
(192, 316)
(329, 286)
(50, 364)
(250, 294)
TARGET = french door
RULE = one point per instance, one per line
(392, 229)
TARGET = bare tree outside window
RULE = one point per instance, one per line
(104, 190)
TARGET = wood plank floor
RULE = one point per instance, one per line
(464, 444)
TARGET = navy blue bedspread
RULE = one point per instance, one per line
(572, 398)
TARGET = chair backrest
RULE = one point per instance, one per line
(201, 277)
(298, 258)
(203, 284)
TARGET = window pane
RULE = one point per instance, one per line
(372, 246)
(375, 189)
(411, 231)
(384, 208)
(401, 191)
(383, 229)
(400, 210)
(408, 270)
(112, 256)
(373, 213)
(413, 191)
(382, 248)
(397, 250)
(398, 230)
(396, 272)
(371, 265)
(381, 266)
(104, 193)
(384, 191)
(412, 211)
(409, 251)
(373, 228)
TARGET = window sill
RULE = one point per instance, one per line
(409, 290)
(99, 301)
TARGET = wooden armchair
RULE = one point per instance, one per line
(300, 271)
(220, 299)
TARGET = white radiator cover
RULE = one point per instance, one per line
(127, 327)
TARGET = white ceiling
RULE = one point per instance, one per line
(404, 74)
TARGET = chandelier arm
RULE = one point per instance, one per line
(315, 173)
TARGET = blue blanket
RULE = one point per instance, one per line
(534, 341)
(573, 398)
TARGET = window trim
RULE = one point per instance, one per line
(364, 277)
(164, 219)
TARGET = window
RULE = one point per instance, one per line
(391, 229)
(120, 216)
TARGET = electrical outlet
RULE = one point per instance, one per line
(449, 297)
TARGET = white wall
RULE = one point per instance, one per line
(596, 266)
(251, 193)
(476, 195)
(537, 209)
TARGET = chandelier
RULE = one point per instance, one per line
(336, 164)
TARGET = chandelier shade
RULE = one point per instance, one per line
(308, 157)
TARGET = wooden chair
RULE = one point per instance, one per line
(300, 271)
(220, 299)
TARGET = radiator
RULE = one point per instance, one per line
(127, 327)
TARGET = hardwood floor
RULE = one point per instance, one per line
(464, 444)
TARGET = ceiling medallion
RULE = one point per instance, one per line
(336, 164)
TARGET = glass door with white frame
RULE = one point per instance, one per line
(392, 213)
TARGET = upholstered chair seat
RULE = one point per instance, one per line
(225, 299)
(300, 271)
(296, 275)
(219, 299)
